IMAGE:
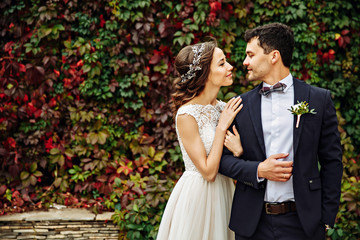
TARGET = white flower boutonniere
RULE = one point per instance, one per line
(300, 109)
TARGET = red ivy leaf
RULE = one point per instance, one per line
(128, 37)
(37, 113)
(155, 59)
(102, 21)
(22, 67)
(347, 39)
(341, 41)
(52, 102)
(146, 139)
(11, 69)
(162, 28)
(344, 32)
(34, 74)
(8, 46)
(80, 63)
(57, 72)
(215, 6)
(14, 170)
(11, 142)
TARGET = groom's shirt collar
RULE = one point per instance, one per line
(288, 80)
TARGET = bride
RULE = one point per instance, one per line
(200, 203)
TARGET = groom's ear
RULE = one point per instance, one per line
(275, 56)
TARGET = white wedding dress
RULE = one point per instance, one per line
(198, 209)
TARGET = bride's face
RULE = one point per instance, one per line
(220, 70)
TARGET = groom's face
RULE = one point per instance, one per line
(257, 63)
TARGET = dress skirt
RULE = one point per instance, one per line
(198, 209)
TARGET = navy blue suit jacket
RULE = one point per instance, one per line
(317, 191)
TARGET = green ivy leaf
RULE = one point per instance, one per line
(33, 180)
(57, 182)
(67, 44)
(60, 159)
(68, 152)
(24, 175)
(46, 31)
(159, 156)
(26, 182)
(135, 208)
(33, 167)
(54, 151)
(102, 137)
(136, 50)
(86, 68)
(82, 50)
(151, 151)
(178, 34)
(92, 138)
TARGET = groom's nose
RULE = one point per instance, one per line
(246, 61)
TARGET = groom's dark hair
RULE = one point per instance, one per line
(274, 36)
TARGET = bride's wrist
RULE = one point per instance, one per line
(222, 129)
(236, 154)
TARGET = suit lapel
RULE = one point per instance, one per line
(255, 115)
(301, 93)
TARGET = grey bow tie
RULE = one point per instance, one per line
(277, 87)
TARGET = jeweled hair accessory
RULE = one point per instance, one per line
(195, 66)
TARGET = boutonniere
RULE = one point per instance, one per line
(299, 109)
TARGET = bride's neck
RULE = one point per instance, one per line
(208, 96)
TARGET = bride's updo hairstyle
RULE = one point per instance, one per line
(192, 64)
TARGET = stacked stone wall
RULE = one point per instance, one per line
(58, 224)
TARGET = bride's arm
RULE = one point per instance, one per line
(190, 137)
(189, 133)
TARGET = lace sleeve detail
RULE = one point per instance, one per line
(203, 114)
(221, 105)
(188, 109)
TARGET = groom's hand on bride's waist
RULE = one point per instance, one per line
(275, 170)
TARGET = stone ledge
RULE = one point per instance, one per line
(64, 223)
(64, 214)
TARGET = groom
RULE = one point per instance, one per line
(289, 177)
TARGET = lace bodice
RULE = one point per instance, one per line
(207, 117)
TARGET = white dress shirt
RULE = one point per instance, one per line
(277, 123)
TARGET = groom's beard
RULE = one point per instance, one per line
(253, 77)
(257, 76)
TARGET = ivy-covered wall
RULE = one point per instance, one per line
(85, 86)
